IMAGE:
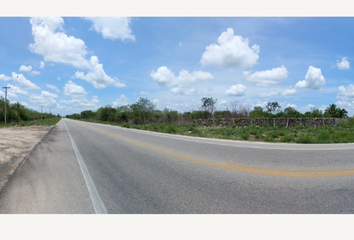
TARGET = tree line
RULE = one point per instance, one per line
(16, 112)
(145, 112)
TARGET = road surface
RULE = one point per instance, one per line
(83, 167)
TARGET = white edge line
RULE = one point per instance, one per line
(95, 197)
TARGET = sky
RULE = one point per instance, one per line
(71, 64)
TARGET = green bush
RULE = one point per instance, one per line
(305, 138)
(245, 136)
(287, 138)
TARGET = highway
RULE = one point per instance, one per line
(84, 167)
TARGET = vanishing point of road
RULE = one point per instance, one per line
(84, 167)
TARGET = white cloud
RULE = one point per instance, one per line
(183, 91)
(121, 101)
(74, 90)
(113, 27)
(289, 92)
(236, 90)
(48, 94)
(97, 76)
(268, 94)
(34, 73)
(231, 51)
(313, 79)
(3, 77)
(268, 77)
(291, 105)
(179, 85)
(345, 104)
(13, 91)
(42, 64)
(81, 104)
(344, 64)
(144, 93)
(95, 99)
(50, 86)
(54, 45)
(180, 44)
(24, 83)
(45, 99)
(24, 68)
(307, 108)
(346, 92)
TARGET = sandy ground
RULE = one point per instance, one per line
(15, 144)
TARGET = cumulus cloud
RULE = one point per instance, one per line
(24, 83)
(74, 90)
(42, 64)
(236, 90)
(179, 85)
(345, 104)
(346, 92)
(268, 94)
(291, 105)
(231, 51)
(50, 86)
(180, 90)
(344, 64)
(24, 68)
(121, 101)
(3, 77)
(307, 108)
(13, 91)
(289, 92)
(34, 73)
(78, 97)
(268, 77)
(313, 79)
(54, 45)
(97, 76)
(82, 103)
(45, 99)
(113, 27)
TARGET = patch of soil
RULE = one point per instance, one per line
(15, 144)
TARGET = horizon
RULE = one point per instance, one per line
(73, 64)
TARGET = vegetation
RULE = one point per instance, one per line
(144, 115)
(19, 115)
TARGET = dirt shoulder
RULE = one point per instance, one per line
(15, 144)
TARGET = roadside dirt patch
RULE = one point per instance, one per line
(15, 144)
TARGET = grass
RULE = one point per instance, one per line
(341, 133)
(44, 122)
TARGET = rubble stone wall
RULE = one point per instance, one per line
(286, 122)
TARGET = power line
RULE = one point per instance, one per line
(5, 100)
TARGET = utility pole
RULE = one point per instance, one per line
(5, 100)
(41, 113)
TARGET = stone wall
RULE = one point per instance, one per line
(286, 122)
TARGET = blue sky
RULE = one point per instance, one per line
(68, 65)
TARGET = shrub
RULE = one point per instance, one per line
(305, 138)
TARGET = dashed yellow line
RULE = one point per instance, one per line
(242, 168)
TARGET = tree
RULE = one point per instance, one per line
(239, 110)
(273, 107)
(333, 111)
(142, 110)
(208, 104)
(291, 112)
(257, 112)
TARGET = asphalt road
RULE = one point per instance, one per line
(92, 168)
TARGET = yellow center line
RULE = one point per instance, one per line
(239, 167)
